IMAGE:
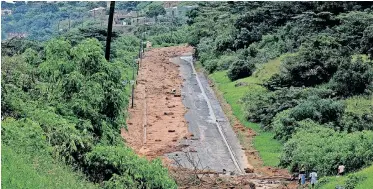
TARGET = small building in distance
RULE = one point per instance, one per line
(142, 21)
(98, 12)
(179, 10)
(124, 18)
(6, 12)
(169, 4)
(16, 35)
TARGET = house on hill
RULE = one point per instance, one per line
(142, 21)
(16, 35)
(169, 4)
(99, 11)
(5, 12)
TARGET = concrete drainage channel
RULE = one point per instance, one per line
(214, 145)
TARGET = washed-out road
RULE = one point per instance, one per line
(213, 145)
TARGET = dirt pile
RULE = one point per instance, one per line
(156, 122)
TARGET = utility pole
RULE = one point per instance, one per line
(69, 22)
(133, 81)
(109, 30)
(172, 25)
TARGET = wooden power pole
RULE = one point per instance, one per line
(109, 30)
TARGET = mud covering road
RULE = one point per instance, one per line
(189, 119)
(156, 124)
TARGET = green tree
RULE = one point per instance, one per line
(155, 10)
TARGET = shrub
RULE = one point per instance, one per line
(120, 165)
(263, 107)
(240, 69)
(323, 111)
(358, 115)
(211, 65)
(75, 99)
(353, 180)
(353, 78)
(225, 61)
(324, 149)
(224, 42)
(367, 41)
(315, 63)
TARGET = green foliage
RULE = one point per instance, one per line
(263, 108)
(18, 46)
(363, 178)
(367, 41)
(352, 26)
(169, 38)
(323, 111)
(240, 69)
(155, 10)
(312, 83)
(353, 78)
(76, 101)
(42, 20)
(353, 180)
(358, 114)
(324, 149)
(264, 141)
(315, 63)
(104, 161)
(26, 160)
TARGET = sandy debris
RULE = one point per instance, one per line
(158, 109)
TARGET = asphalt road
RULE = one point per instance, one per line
(214, 145)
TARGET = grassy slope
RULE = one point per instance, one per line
(37, 171)
(358, 105)
(269, 148)
(367, 183)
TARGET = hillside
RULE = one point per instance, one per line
(299, 74)
(294, 78)
(63, 106)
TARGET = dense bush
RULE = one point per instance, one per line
(324, 149)
(353, 180)
(358, 115)
(178, 36)
(367, 41)
(27, 161)
(314, 80)
(315, 63)
(240, 69)
(352, 26)
(353, 78)
(105, 161)
(263, 108)
(76, 100)
(323, 111)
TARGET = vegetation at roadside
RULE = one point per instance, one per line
(64, 104)
(234, 91)
(360, 180)
(317, 101)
